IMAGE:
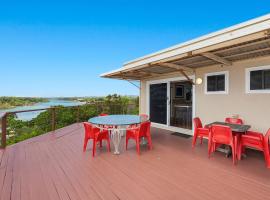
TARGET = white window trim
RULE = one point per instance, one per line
(248, 70)
(226, 91)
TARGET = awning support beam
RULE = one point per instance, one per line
(187, 77)
(134, 84)
(130, 82)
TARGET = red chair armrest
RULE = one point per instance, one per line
(252, 137)
(203, 129)
(206, 130)
(134, 128)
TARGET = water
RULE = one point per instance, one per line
(30, 115)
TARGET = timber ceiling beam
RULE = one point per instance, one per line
(126, 75)
(217, 58)
(175, 66)
(143, 73)
(178, 68)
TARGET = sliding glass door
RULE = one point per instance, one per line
(171, 103)
(158, 103)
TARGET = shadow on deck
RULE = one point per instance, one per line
(53, 166)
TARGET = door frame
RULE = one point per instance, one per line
(168, 80)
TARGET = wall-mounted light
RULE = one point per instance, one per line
(198, 81)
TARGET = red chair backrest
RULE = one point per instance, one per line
(221, 134)
(144, 116)
(88, 130)
(234, 120)
(103, 114)
(145, 129)
(197, 122)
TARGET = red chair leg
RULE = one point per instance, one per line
(268, 163)
(94, 148)
(201, 140)
(127, 142)
(214, 147)
(194, 141)
(138, 146)
(108, 145)
(233, 154)
(266, 158)
(239, 151)
(234, 149)
(149, 143)
(210, 148)
(85, 144)
(100, 144)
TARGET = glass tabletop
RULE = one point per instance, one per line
(117, 120)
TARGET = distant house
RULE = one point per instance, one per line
(225, 73)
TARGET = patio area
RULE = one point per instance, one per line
(53, 166)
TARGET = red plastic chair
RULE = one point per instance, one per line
(222, 135)
(144, 116)
(267, 147)
(234, 120)
(258, 141)
(199, 131)
(142, 131)
(97, 135)
(103, 114)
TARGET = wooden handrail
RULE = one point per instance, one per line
(40, 109)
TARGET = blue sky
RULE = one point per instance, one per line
(59, 48)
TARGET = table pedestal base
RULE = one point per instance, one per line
(116, 139)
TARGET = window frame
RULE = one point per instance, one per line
(248, 70)
(226, 89)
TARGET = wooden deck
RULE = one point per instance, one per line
(53, 166)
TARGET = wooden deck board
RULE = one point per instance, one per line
(53, 166)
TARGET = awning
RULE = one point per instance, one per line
(244, 41)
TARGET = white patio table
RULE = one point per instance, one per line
(117, 125)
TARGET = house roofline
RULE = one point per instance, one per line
(243, 29)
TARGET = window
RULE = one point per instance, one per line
(216, 83)
(258, 79)
(179, 91)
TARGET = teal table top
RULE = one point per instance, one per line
(116, 120)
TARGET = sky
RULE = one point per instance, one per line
(59, 48)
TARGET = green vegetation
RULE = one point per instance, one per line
(112, 104)
(9, 102)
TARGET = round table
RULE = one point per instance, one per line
(117, 124)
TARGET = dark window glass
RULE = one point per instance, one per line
(256, 79)
(260, 79)
(267, 79)
(158, 103)
(220, 82)
(216, 83)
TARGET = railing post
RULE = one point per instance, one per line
(4, 131)
(53, 118)
(78, 114)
